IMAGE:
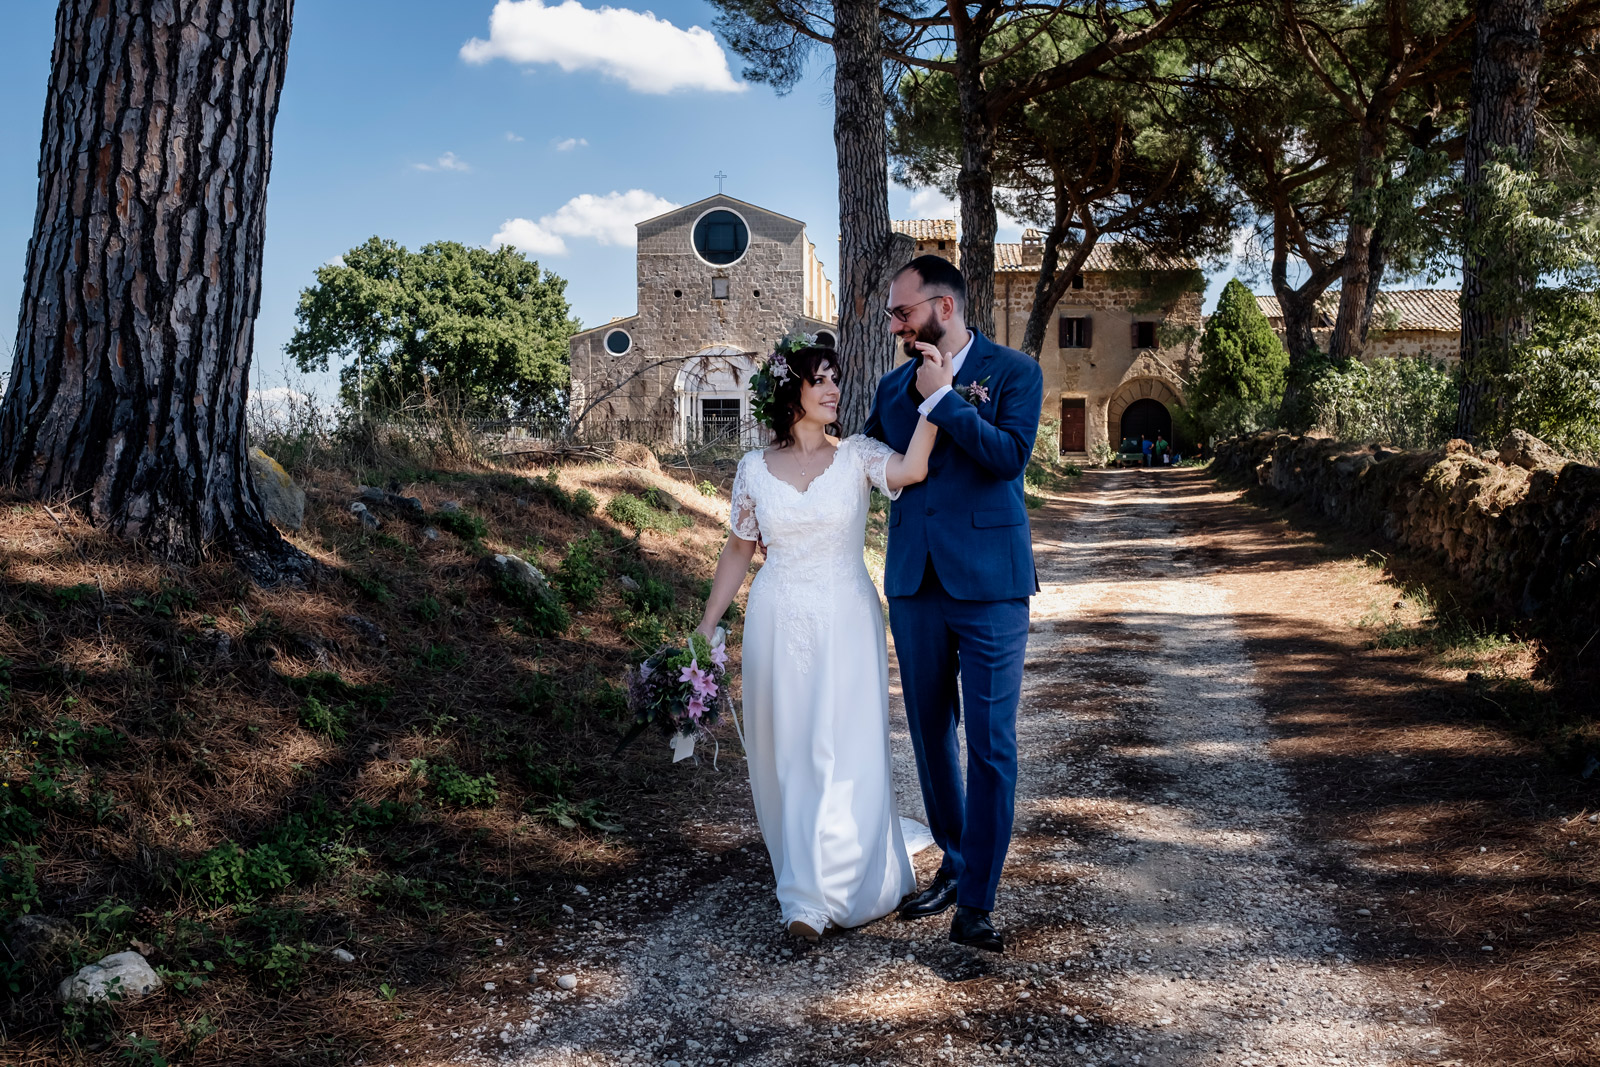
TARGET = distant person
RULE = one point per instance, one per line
(1163, 449)
(1146, 446)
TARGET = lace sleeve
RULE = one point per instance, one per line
(742, 516)
(874, 459)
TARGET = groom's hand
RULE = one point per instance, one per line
(936, 370)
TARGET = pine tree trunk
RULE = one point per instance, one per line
(1506, 54)
(1349, 337)
(1052, 284)
(143, 279)
(975, 181)
(869, 253)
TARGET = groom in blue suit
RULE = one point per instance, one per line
(958, 577)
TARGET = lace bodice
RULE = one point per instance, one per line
(814, 539)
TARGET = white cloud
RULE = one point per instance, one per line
(570, 143)
(448, 161)
(608, 220)
(932, 204)
(525, 235)
(512, 137)
(648, 54)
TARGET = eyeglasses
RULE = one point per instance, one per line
(903, 313)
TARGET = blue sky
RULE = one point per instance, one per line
(393, 124)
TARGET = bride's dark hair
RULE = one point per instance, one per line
(804, 364)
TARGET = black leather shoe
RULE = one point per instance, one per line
(971, 927)
(932, 900)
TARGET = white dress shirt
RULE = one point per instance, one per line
(926, 407)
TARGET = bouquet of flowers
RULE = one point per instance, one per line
(682, 690)
(764, 382)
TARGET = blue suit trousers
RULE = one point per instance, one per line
(980, 644)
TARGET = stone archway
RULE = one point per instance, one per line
(1131, 397)
(712, 396)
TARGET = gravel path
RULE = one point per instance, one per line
(1158, 906)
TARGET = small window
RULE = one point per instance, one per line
(941, 246)
(756, 292)
(1144, 335)
(826, 339)
(1077, 281)
(719, 288)
(618, 342)
(1074, 332)
(719, 418)
(677, 292)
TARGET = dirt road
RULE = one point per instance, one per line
(1161, 904)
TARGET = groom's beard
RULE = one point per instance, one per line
(931, 333)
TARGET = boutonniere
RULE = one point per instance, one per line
(974, 394)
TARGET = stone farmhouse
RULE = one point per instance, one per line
(719, 282)
(1115, 361)
(1406, 322)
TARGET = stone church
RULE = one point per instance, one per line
(719, 282)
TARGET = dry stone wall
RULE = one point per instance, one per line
(1520, 523)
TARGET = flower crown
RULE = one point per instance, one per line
(765, 381)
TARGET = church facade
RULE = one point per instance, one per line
(721, 280)
(719, 283)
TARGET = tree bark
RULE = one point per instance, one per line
(869, 252)
(1349, 333)
(1506, 55)
(143, 276)
(1298, 305)
(1053, 282)
(975, 181)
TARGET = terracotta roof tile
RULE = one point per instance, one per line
(1419, 309)
(1008, 257)
(927, 229)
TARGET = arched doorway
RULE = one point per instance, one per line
(713, 398)
(1143, 405)
(1148, 418)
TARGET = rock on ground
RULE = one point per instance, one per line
(283, 501)
(123, 975)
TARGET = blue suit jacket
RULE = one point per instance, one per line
(969, 515)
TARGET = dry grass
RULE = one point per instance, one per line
(204, 744)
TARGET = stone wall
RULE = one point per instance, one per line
(1520, 523)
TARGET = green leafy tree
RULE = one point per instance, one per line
(1242, 366)
(484, 328)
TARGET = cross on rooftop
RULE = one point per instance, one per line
(721, 177)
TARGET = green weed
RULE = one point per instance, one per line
(465, 525)
(450, 785)
(652, 595)
(707, 489)
(19, 881)
(332, 721)
(582, 574)
(427, 609)
(374, 589)
(166, 601)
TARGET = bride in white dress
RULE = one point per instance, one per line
(815, 660)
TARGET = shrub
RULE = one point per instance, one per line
(19, 882)
(1408, 402)
(582, 573)
(451, 785)
(332, 721)
(465, 525)
(629, 510)
(542, 612)
(652, 595)
(578, 503)
(706, 488)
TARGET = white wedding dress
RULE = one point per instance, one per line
(816, 692)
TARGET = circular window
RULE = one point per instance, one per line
(721, 237)
(618, 342)
(825, 339)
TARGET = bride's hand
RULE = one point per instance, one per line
(707, 630)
